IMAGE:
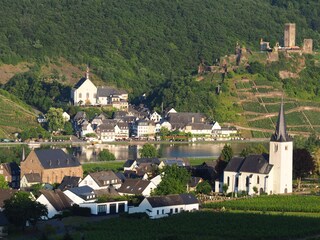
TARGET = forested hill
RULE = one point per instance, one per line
(138, 44)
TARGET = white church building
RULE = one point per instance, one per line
(271, 174)
(85, 92)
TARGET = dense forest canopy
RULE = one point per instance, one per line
(145, 44)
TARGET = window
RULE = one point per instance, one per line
(258, 180)
(87, 95)
(176, 210)
(228, 181)
(237, 182)
(276, 147)
(247, 181)
(286, 147)
(162, 211)
(157, 212)
(80, 95)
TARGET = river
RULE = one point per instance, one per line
(87, 153)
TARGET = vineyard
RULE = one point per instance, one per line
(274, 203)
(260, 100)
(203, 225)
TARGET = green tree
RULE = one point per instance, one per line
(105, 155)
(20, 208)
(226, 153)
(204, 187)
(174, 181)
(55, 119)
(148, 151)
(303, 164)
(68, 129)
(258, 149)
(3, 183)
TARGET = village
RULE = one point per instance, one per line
(62, 184)
(56, 181)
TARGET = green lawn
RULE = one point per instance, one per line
(112, 165)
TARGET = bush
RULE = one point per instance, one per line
(105, 155)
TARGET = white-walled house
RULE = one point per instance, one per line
(106, 208)
(101, 180)
(271, 173)
(163, 206)
(136, 187)
(156, 117)
(81, 194)
(55, 201)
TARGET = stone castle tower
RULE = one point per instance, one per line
(281, 156)
(289, 35)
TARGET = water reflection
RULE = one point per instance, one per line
(123, 152)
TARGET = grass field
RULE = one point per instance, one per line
(112, 165)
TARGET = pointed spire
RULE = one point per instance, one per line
(87, 73)
(281, 134)
(23, 157)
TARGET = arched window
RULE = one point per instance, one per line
(258, 180)
(228, 181)
(80, 95)
(88, 95)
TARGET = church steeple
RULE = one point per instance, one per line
(281, 134)
(87, 73)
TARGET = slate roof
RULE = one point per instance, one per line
(102, 177)
(3, 220)
(128, 163)
(194, 181)
(134, 186)
(172, 200)
(56, 158)
(235, 164)
(83, 191)
(106, 128)
(281, 134)
(33, 177)
(12, 168)
(69, 182)
(110, 191)
(79, 115)
(253, 163)
(185, 117)
(108, 91)
(6, 194)
(256, 164)
(57, 199)
(178, 162)
(148, 160)
(80, 82)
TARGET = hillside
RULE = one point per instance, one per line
(140, 44)
(155, 47)
(15, 115)
(256, 88)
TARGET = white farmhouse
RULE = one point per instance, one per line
(264, 173)
(163, 206)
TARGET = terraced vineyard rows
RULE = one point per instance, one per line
(260, 100)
